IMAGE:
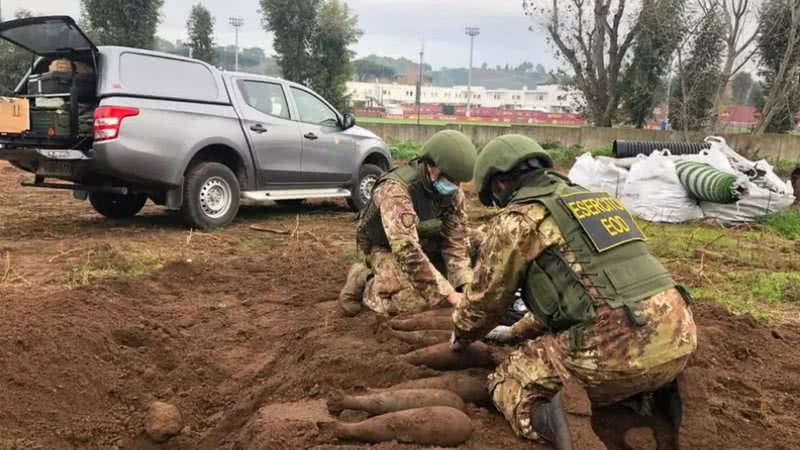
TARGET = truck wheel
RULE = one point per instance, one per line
(362, 192)
(117, 206)
(210, 196)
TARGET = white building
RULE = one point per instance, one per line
(546, 98)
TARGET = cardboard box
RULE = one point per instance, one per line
(14, 115)
(65, 65)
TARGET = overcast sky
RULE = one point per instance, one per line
(391, 27)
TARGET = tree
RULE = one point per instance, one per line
(292, 23)
(200, 29)
(541, 71)
(693, 100)
(742, 86)
(14, 61)
(128, 23)
(740, 31)
(779, 55)
(369, 70)
(662, 30)
(524, 67)
(485, 66)
(337, 29)
(594, 39)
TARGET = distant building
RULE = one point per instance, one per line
(546, 98)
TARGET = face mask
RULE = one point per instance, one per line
(445, 187)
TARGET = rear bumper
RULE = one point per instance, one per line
(65, 164)
(132, 164)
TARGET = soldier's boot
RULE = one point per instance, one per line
(351, 295)
(566, 420)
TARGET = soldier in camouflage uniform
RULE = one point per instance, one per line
(604, 315)
(413, 231)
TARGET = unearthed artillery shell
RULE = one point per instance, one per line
(440, 357)
(437, 425)
(421, 339)
(422, 323)
(471, 389)
(399, 400)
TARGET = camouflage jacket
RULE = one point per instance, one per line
(517, 235)
(400, 225)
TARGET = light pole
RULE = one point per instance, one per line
(236, 23)
(471, 32)
(419, 80)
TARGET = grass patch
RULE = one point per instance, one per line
(105, 261)
(787, 223)
(403, 151)
(256, 244)
(783, 168)
(749, 270)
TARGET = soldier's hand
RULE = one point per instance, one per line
(501, 334)
(456, 344)
(455, 298)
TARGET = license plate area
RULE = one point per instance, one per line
(56, 168)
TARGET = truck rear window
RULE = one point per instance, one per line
(166, 77)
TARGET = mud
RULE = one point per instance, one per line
(241, 333)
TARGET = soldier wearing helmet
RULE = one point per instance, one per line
(605, 322)
(414, 233)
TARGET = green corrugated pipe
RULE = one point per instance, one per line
(706, 183)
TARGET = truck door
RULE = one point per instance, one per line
(273, 135)
(328, 152)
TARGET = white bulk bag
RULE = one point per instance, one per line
(654, 193)
(759, 202)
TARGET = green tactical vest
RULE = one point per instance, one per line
(428, 206)
(608, 246)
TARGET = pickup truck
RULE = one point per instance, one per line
(125, 125)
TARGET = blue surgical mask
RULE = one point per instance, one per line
(445, 187)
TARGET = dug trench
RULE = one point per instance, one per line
(248, 349)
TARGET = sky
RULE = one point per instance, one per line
(391, 28)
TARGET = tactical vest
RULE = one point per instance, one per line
(428, 206)
(608, 246)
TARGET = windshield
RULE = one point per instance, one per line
(46, 36)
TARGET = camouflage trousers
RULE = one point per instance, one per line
(389, 292)
(613, 360)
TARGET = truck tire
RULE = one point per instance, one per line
(210, 196)
(117, 206)
(362, 191)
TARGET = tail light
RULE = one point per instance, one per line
(107, 120)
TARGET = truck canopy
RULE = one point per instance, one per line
(47, 36)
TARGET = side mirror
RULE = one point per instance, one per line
(348, 121)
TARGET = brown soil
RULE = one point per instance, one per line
(228, 323)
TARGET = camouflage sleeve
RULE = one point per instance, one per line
(455, 242)
(400, 224)
(527, 327)
(501, 266)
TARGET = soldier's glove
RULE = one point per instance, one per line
(501, 334)
(457, 344)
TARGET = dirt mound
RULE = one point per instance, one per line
(228, 340)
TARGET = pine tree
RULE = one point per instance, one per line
(128, 23)
(200, 28)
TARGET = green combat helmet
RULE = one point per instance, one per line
(503, 154)
(453, 153)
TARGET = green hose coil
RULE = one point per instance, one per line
(706, 183)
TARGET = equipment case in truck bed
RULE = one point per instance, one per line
(60, 83)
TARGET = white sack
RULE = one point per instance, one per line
(654, 193)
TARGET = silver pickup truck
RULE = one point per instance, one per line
(126, 125)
